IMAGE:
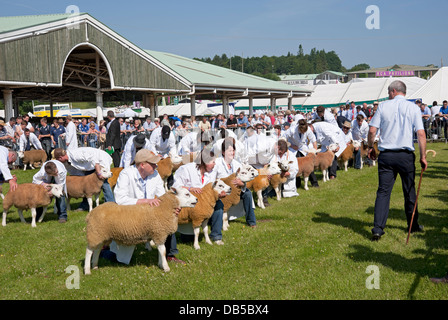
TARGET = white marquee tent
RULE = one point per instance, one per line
(435, 89)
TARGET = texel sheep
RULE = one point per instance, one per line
(201, 213)
(134, 224)
(347, 154)
(167, 166)
(31, 157)
(261, 182)
(278, 180)
(324, 161)
(115, 172)
(306, 166)
(30, 196)
(86, 186)
(245, 173)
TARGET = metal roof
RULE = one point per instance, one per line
(9, 24)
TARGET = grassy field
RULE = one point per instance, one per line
(315, 246)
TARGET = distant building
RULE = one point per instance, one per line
(401, 70)
(327, 77)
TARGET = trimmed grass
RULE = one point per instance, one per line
(315, 246)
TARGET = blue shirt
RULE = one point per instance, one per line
(56, 132)
(243, 121)
(426, 112)
(397, 120)
(443, 110)
(83, 128)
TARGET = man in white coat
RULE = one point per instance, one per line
(162, 141)
(284, 154)
(29, 140)
(327, 134)
(133, 145)
(140, 184)
(360, 130)
(53, 171)
(71, 138)
(7, 157)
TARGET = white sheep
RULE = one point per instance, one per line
(201, 213)
(86, 186)
(134, 224)
(32, 156)
(261, 182)
(30, 196)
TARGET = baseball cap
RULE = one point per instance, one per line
(145, 155)
(139, 140)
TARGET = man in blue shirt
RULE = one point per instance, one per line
(396, 119)
(426, 114)
(443, 114)
(242, 122)
(45, 137)
(56, 130)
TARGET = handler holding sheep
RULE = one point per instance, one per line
(53, 171)
(7, 157)
(141, 184)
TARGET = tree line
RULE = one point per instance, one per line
(314, 62)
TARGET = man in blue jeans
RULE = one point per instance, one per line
(397, 119)
(53, 172)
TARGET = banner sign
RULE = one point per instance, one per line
(395, 73)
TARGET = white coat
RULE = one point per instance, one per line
(70, 136)
(4, 168)
(158, 146)
(189, 176)
(289, 187)
(129, 152)
(302, 141)
(41, 176)
(129, 189)
(85, 159)
(34, 142)
(326, 134)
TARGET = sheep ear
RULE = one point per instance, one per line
(173, 190)
(290, 162)
(215, 183)
(238, 171)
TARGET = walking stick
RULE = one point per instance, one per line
(415, 206)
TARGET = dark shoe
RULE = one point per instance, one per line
(315, 186)
(62, 220)
(440, 280)
(418, 229)
(174, 259)
(376, 237)
(265, 202)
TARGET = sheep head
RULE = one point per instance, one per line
(284, 165)
(175, 158)
(356, 144)
(186, 198)
(219, 186)
(106, 173)
(332, 147)
(20, 154)
(273, 168)
(57, 190)
(246, 173)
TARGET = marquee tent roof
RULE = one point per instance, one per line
(435, 89)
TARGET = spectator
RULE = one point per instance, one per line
(165, 121)
(113, 141)
(5, 139)
(443, 114)
(149, 125)
(204, 124)
(71, 140)
(232, 123)
(83, 129)
(92, 136)
(29, 141)
(56, 130)
(45, 136)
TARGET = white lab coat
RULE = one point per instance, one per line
(4, 168)
(34, 142)
(289, 187)
(158, 146)
(326, 134)
(302, 141)
(189, 176)
(70, 136)
(129, 152)
(128, 190)
(85, 159)
(189, 144)
(359, 133)
(41, 176)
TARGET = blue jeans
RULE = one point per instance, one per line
(246, 196)
(60, 207)
(216, 222)
(357, 154)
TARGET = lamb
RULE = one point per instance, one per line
(30, 196)
(306, 166)
(134, 224)
(324, 161)
(201, 213)
(347, 154)
(261, 182)
(278, 180)
(167, 166)
(31, 157)
(246, 173)
(115, 173)
(86, 186)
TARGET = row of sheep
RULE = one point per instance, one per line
(105, 223)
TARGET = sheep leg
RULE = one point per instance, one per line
(305, 183)
(33, 215)
(324, 173)
(346, 165)
(148, 246)
(43, 215)
(97, 199)
(260, 199)
(87, 260)
(205, 230)
(21, 215)
(163, 264)
(225, 221)
(196, 238)
(90, 201)
(278, 192)
(4, 218)
(96, 255)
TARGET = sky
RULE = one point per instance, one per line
(406, 31)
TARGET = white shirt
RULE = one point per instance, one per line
(158, 146)
(397, 119)
(4, 168)
(129, 152)
(293, 167)
(359, 133)
(34, 142)
(240, 152)
(189, 176)
(70, 136)
(131, 186)
(41, 176)
(326, 134)
(222, 170)
(295, 138)
(328, 117)
(85, 159)
(189, 144)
